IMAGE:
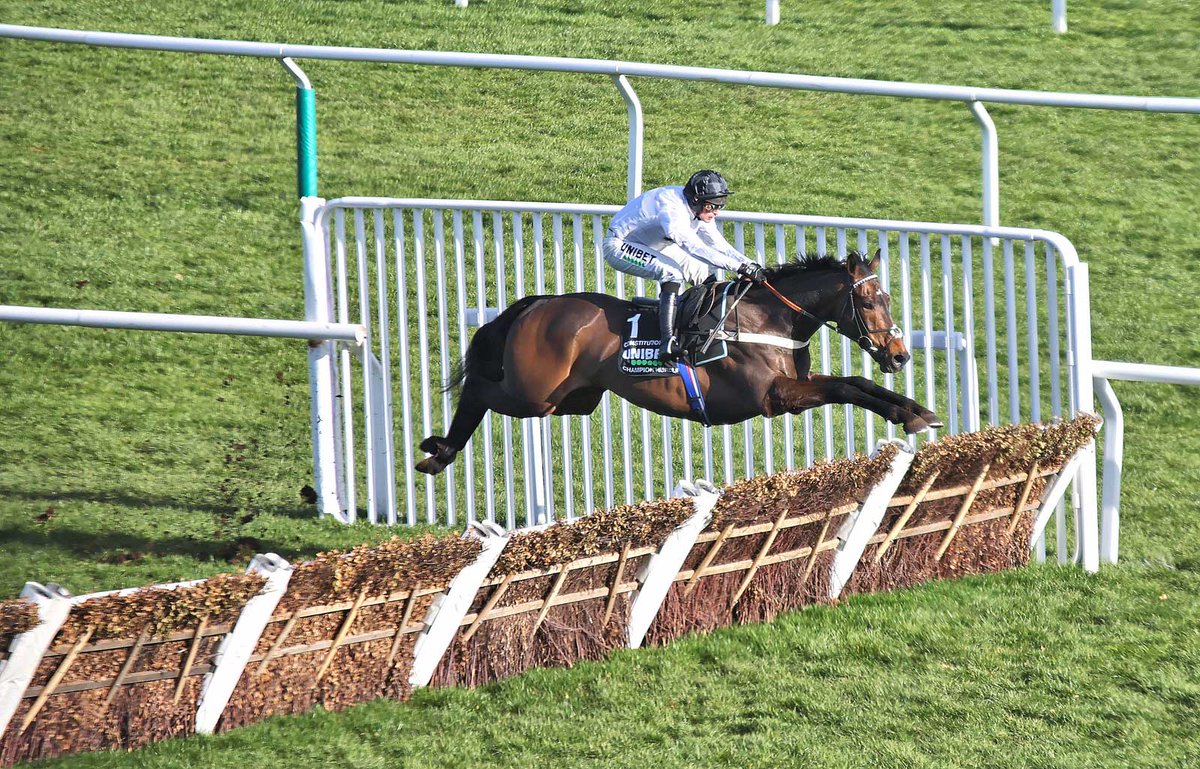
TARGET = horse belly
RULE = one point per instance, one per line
(662, 395)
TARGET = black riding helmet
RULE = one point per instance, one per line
(706, 186)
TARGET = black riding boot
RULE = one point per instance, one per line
(668, 300)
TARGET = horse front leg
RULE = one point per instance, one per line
(904, 402)
(794, 396)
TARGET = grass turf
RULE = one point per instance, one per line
(162, 182)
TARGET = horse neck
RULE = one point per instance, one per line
(821, 293)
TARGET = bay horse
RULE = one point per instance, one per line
(558, 355)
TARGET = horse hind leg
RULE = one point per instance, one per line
(477, 398)
(468, 413)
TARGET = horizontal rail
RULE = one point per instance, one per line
(1145, 372)
(199, 324)
(1061, 244)
(611, 68)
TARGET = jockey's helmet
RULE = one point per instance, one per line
(706, 186)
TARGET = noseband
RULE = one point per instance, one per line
(864, 333)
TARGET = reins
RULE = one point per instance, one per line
(864, 339)
(790, 303)
(713, 334)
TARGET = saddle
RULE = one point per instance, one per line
(701, 310)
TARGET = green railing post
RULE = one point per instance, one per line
(306, 141)
(306, 130)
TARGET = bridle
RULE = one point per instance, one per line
(864, 333)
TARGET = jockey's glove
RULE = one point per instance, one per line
(751, 271)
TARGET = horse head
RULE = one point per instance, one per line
(866, 315)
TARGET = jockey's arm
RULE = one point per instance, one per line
(705, 243)
(709, 233)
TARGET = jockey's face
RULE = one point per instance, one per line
(707, 210)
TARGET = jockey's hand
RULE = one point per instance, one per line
(751, 271)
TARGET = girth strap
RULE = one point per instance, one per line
(771, 340)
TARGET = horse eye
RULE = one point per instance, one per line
(868, 304)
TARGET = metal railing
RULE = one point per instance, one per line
(421, 273)
(197, 324)
(324, 336)
(322, 361)
(621, 71)
(1103, 371)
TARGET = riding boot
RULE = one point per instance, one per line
(668, 300)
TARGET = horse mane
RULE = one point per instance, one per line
(809, 264)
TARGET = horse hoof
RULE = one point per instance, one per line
(431, 466)
(916, 425)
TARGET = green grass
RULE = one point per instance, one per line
(161, 182)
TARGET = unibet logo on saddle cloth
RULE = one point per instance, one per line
(640, 356)
(640, 339)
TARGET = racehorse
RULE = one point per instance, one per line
(559, 354)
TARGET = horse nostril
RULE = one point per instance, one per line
(900, 359)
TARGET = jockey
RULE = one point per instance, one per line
(667, 234)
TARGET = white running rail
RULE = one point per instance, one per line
(997, 319)
(1103, 371)
(620, 71)
(197, 324)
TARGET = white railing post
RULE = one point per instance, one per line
(1058, 8)
(772, 12)
(1087, 522)
(235, 648)
(27, 649)
(380, 447)
(861, 525)
(322, 366)
(1114, 455)
(537, 472)
(661, 568)
(990, 164)
(637, 129)
(968, 377)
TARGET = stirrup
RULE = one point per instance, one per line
(670, 350)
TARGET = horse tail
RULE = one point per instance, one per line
(457, 375)
(485, 355)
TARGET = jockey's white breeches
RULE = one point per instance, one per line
(663, 262)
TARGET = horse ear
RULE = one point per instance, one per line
(874, 265)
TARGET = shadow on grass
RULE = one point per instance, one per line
(951, 26)
(301, 511)
(118, 547)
